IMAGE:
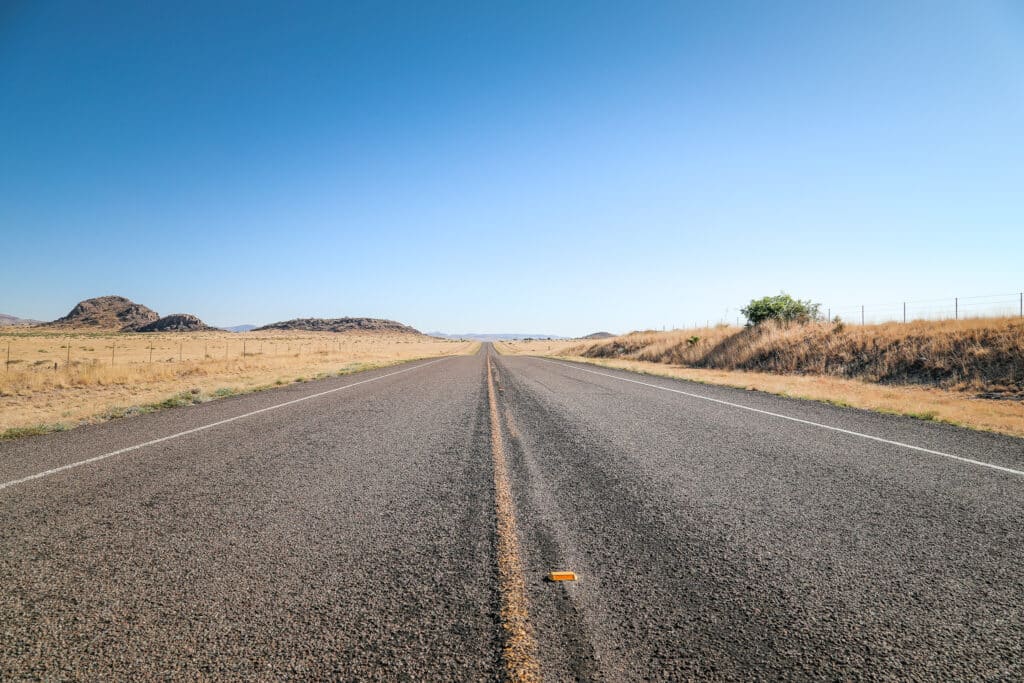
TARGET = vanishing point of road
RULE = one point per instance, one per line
(400, 524)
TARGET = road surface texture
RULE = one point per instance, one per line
(399, 525)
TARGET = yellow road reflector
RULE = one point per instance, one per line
(562, 576)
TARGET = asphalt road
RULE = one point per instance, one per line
(347, 529)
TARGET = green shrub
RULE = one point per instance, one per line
(781, 307)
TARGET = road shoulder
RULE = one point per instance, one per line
(921, 403)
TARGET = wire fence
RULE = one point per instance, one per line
(21, 352)
(948, 308)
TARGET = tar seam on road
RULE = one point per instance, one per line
(519, 649)
(69, 466)
(797, 419)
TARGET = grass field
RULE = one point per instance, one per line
(968, 372)
(55, 380)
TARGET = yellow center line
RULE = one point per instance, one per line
(519, 649)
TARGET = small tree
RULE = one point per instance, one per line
(781, 307)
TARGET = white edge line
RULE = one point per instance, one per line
(97, 458)
(792, 419)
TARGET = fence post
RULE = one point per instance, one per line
(69, 354)
(956, 308)
(904, 312)
(113, 345)
(7, 368)
(862, 314)
(150, 352)
(1022, 304)
(180, 345)
(243, 348)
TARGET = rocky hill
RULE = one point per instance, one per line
(599, 335)
(340, 325)
(176, 322)
(107, 313)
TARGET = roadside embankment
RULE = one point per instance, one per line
(967, 372)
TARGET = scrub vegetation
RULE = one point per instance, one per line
(967, 372)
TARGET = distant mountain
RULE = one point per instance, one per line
(599, 335)
(176, 322)
(340, 325)
(114, 313)
(6, 320)
(239, 328)
(475, 336)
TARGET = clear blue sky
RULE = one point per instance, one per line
(538, 167)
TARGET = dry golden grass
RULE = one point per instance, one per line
(535, 347)
(968, 372)
(975, 355)
(40, 390)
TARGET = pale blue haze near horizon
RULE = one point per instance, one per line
(488, 167)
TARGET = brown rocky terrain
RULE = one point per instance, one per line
(340, 325)
(107, 313)
(176, 322)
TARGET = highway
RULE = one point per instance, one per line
(400, 524)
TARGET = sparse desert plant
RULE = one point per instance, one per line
(31, 430)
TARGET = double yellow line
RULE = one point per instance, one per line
(519, 646)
